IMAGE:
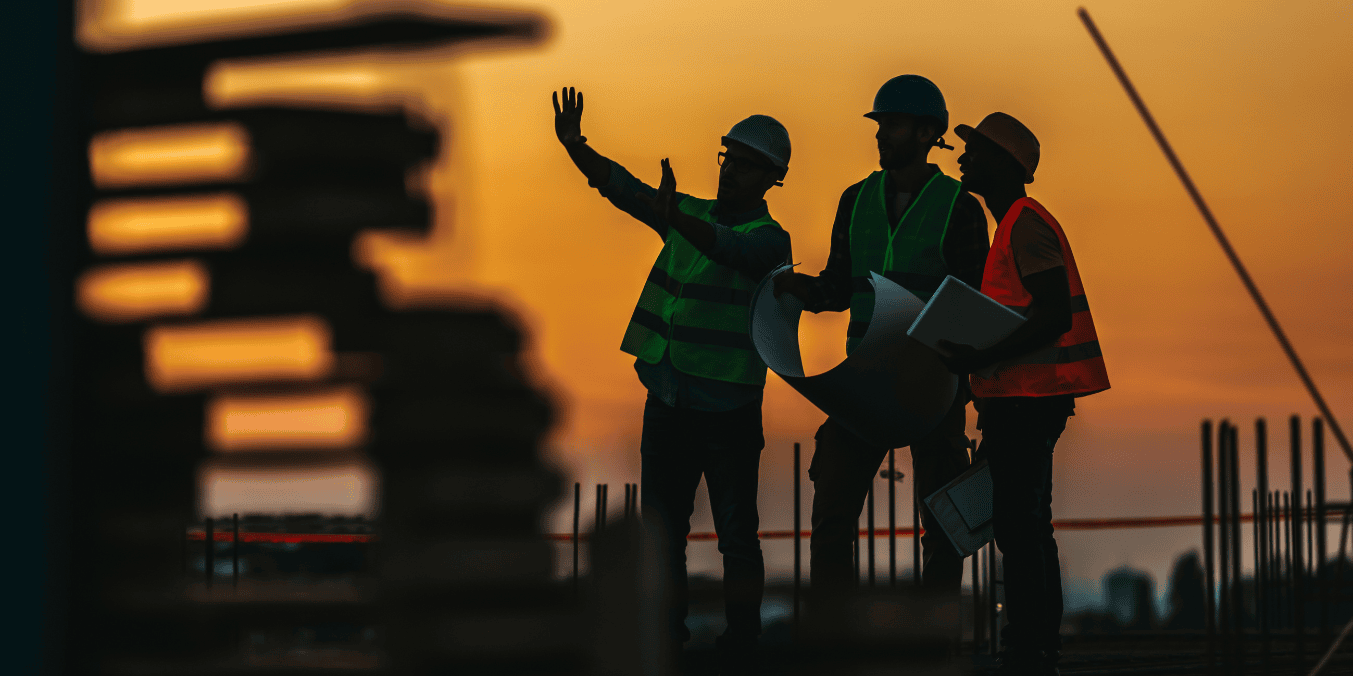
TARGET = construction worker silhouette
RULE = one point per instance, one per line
(1052, 358)
(689, 334)
(914, 225)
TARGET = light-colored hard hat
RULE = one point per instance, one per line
(765, 135)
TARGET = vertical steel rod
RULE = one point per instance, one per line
(1237, 552)
(1259, 583)
(626, 511)
(857, 550)
(993, 618)
(209, 554)
(1261, 562)
(1298, 538)
(605, 490)
(916, 571)
(1308, 517)
(596, 506)
(869, 525)
(974, 562)
(892, 521)
(1288, 582)
(577, 507)
(798, 574)
(1321, 565)
(1223, 538)
(235, 549)
(1209, 567)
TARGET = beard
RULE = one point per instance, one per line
(898, 156)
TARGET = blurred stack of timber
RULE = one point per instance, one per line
(454, 427)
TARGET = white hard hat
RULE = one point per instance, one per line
(765, 135)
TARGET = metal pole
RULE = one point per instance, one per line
(597, 519)
(857, 550)
(1238, 604)
(605, 490)
(1298, 535)
(992, 618)
(1321, 566)
(1209, 598)
(1308, 517)
(1216, 231)
(235, 548)
(916, 571)
(798, 575)
(1288, 583)
(577, 507)
(869, 523)
(1224, 542)
(626, 512)
(975, 561)
(1259, 584)
(209, 555)
(1261, 562)
(892, 521)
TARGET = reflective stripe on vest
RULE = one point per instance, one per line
(697, 309)
(1074, 363)
(912, 254)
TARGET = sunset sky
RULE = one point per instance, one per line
(1254, 97)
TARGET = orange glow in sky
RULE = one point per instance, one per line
(1254, 97)
(145, 225)
(189, 153)
(188, 357)
(140, 291)
(330, 418)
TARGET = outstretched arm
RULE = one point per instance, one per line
(568, 127)
(696, 231)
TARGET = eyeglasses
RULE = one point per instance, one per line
(741, 165)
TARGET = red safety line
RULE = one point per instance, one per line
(226, 536)
(1063, 524)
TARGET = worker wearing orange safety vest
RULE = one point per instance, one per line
(1040, 369)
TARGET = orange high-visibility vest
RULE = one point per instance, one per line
(1073, 364)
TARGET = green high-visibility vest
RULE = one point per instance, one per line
(698, 309)
(912, 254)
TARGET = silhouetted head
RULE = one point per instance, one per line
(912, 117)
(1000, 154)
(756, 158)
(905, 139)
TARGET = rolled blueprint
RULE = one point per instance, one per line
(890, 391)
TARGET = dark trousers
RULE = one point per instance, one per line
(842, 470)
(1018, 435)
(678, 446)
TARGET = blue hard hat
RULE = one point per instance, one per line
(913, 95)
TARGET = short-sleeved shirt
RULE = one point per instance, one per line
(1034, 244)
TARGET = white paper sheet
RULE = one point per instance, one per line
(961, 314)
(890, 391)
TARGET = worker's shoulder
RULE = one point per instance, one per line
(852, 192)
(1028, 217)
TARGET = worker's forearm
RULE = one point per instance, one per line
(1042, 327)
(697, 232)
(596, 168)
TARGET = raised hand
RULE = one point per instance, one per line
(568, 118)
(664, 203)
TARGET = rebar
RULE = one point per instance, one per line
(869, 525)
(798, 575)
(1209, 579)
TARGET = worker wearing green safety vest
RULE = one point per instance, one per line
(914, 225)
(694, 355)
(697, 309)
